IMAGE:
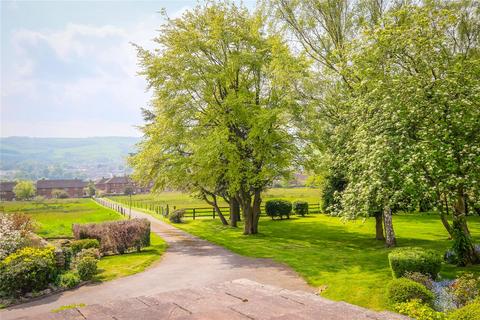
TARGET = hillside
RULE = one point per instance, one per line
(33, 158)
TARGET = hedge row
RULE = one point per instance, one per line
(117, 236)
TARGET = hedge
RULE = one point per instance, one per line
(28, 269)
(116, 236)
(403, 290)
(469, 312)
(405, 260)
(278, 208)
(300, 208)
(79, 245)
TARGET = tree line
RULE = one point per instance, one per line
(382, 97)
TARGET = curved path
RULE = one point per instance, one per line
(188, 262)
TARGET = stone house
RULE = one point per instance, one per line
(6, 190)
(75, 188)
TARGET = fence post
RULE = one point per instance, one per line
(193, 213)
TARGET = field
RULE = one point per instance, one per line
(54, 218)
(341, 258)
(182, 200)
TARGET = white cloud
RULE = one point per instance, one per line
(88, 73)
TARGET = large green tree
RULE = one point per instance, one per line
(24, 190)
(223, 89)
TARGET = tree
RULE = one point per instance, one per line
(128, 190)
(90, 189)
(421, 72)
(24, 190)
(223, 90)
(59, 194)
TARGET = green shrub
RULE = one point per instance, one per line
(90, 252)
(87, 267)
(469, 312)
(404, 260)
(79, 245)
(176, 216)
(28, 269)
(300, 208)
(68, 280)
(403, 290)
(415, 309)
(278, 208)
(421, 278)
(465, 289)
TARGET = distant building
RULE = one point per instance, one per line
(6, 190)
(118, 185)
(75, 188)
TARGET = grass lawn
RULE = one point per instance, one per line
(183, 200)
(113, 267)
(344, 257)
(54, 218)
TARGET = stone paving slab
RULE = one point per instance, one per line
(240, 299)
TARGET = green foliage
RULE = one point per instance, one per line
(24, 190)
(90, 252)
(300, 208)
(28, 269)
(87, 267)
(278, 208)
(418, 310)
(59, 194)
(403, 290)
(334, 184)
(79, 245)
(68, 280)
(421, 278)
(465, 289)
(176, 216)
(469, 312)
(414, 259)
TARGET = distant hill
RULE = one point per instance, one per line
(33, 158)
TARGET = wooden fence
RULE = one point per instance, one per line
(192, 213)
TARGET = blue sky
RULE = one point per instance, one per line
(68, 68)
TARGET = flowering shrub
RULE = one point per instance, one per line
(421, 278)
(415, 309)
(465, 289)
(28, 269)
(12, 236)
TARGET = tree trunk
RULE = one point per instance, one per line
(390, 240)
(234, 211)
(214, 204)
(257, 201)
(467, 255)
(444, 217)
(220, 214)
(379, 226)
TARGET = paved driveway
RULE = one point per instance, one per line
(189, 262)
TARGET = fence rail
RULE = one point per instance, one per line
(193, 213)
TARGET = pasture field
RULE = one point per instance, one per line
(342, 259)
(183, 200)
(54, 218)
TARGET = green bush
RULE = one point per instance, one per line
(415, 309)
(465, 289)
(79, 245)
(176, 216)
(404, 260)
(421, 278)
(87, 267)
(68, 280)
(469, 312)
(300, 208)
(278, 208)
(403, 290)
(28, 269)
(90, 252)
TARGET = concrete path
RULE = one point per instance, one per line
(189, 262)
(233, 300)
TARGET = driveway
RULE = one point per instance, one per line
(189, 262)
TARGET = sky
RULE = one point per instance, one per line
(68, 68)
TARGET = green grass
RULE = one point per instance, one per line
(183, 200)
(54, 218)
(344, 257)
(112, 267)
